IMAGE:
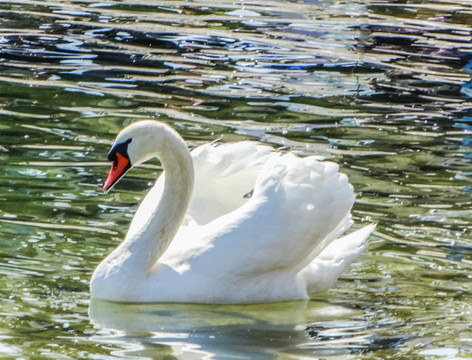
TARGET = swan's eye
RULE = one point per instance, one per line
(120, 148)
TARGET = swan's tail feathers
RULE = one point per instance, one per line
(322, 272)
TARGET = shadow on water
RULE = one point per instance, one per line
(381, 87)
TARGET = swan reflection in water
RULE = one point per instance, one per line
(209, 331)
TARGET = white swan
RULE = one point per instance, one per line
(250, 225)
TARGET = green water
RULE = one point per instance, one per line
(381, 87)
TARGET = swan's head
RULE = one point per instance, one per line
(135, 144)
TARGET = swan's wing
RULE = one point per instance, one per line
(322, 272)
(298, 207)
(225, 175)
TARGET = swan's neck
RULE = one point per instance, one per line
(152, 232)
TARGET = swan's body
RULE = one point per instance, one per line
(200, 236)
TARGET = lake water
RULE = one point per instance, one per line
(381, 87)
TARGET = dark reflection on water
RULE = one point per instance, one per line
(381, 87)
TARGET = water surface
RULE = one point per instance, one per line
(381, 87)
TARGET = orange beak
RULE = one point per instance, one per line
(119, 167)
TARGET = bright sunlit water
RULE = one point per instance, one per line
(381, 87)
